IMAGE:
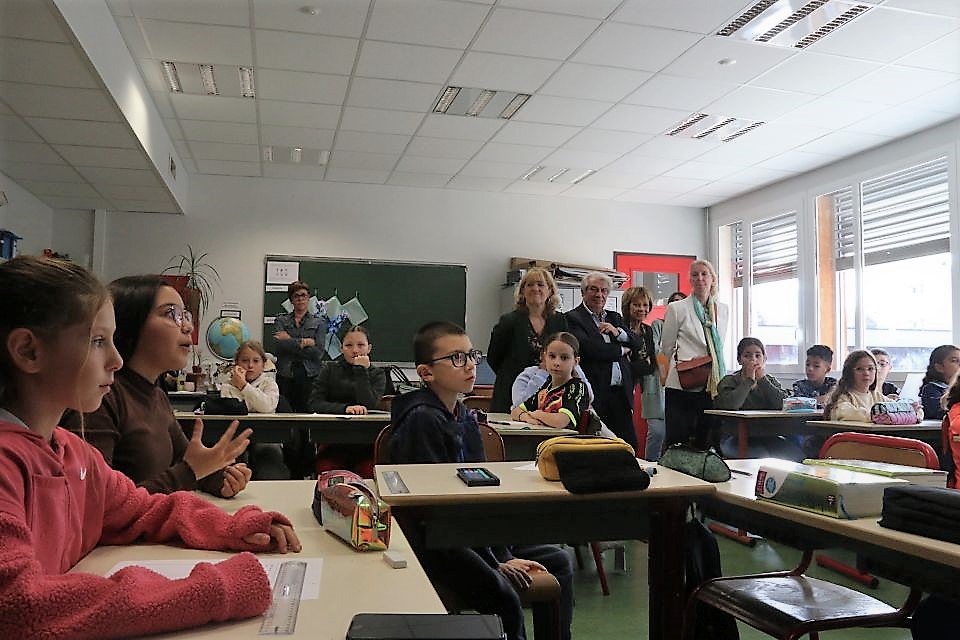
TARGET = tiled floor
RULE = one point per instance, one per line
(623, 614)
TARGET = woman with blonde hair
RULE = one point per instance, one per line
(517, 339)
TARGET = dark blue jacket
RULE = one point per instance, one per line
(425, 431)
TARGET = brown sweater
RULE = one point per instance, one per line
(136, 432)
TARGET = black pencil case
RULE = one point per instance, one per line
(932, 512)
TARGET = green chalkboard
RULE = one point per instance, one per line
(399, 297)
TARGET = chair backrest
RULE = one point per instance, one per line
(869, 446)
(493, 447)
(381, 446)
(478, 402)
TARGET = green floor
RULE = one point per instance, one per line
(623, 614)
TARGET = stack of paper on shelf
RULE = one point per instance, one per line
(913, 475)
(831, 491)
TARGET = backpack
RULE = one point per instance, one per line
(703, 563)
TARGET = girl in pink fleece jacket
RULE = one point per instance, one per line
(59, 499)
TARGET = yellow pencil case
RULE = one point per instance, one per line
(548, 450)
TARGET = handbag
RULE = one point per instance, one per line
(218, 406)
(351, 511)
(706, 465)
(894, 412)
(694, 373)
(548, 450)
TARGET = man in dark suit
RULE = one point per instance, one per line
(605, 344)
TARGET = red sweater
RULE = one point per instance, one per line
(59, 500)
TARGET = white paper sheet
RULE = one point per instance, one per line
(178, 569)
(530, 466)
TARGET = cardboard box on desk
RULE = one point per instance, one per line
(830, 491)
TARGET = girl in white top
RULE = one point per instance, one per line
(856, 391)
(248, 383)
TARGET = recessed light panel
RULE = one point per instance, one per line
(479, 103)
(794, 23)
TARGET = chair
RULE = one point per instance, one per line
(545, 587)
(789, 604)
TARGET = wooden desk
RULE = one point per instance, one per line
(902, 557)
(925, 428)
(525, 509)
(787, 421)
(345, 571)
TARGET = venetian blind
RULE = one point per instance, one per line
(773, 248)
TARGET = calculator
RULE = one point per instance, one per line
(477, 477)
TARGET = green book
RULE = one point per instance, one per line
(914, 475)
(830, 491)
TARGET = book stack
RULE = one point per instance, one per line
(913, 475)
(830, 491)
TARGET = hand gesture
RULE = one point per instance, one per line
(206, 460)
(606, 327)
(307, 342)
(282, 538)
(281, 335)
(362, 361)
(238, 377)
(357, 410)
(750, 370)
(517, 572)
(235, 478)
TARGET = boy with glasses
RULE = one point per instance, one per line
(432, 425)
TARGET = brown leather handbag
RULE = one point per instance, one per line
(694, 373)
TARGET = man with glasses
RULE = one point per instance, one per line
(605, 346)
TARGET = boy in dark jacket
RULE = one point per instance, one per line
(432, 425)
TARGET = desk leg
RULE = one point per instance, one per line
(666, 567)
(743, 436)
(740, 535)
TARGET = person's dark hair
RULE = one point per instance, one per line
(133, 298)
(254, 345)
(676, 295)
(845, 383)
(296, 285)
(750, 342)
(952, 395)
(427, 336)
(821, 351)
(44, 295)
(937, 356)
(565, 337)
(358, 328)
(877, 351)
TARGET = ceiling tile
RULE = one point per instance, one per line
(443, 147)
(13, 128)
(28, 152)
(942, 55)
(297, 86)
(939, 7)
(484, 169)
(73, 202)
(42, 172)
(637, 164)
(99, 134)
(31, 20)
(685, 15)
(538, 135)
(678, 148)
(592, 192)
(360, 160)
(4, 109)
(646, 196)
(48, 63)
(635, 47)
(693, 200)
(702, 170)
(225, 151)
(537, 188)
(843, 143)
(371, 142)
(675, 185)
(528, 33)
(756, 176)
(796, 161)
(605, 141)
(418, 164)
(460, 127)
(380, 120)
(305, 52)
(74, 189)
(499, 152)
(130, 177)
(365, 176)
(144, 206)
(580, 159)
(605, 178)
(883, 35)
(296, 137)
(294, 171)
(393, 94)
(124, 192)
(426, 22)
(336, 17)
(722, 189)
(225, 12)
(835, 112)
(494, 71)
(228, 168)
(946, 99)
(192, 107)
(752, 59)
(625, 117)
(674, 92)
(899, 121)
(205, 131)
(103, 157)
(553, 110)
(182, 42)
(594, 82)
(406, 62)
(817, 73)
(133, 37)
(472, 183)
(894, 84)
(433, 180)
(58, 102)
(756, 103)
(162, 100)
(299, 114)
(592, 9)
(742, 152)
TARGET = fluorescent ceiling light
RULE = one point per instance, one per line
(529, 174)
(173, 79)
(279, 154)
(446, 99)
(557, 175)
(518, 101)
(296, 154)
(794, 23)
(583, 176)
(482, 101)
(723, 128)
(209, 82)
(268, 153)
(247, 90)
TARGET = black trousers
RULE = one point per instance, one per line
(296, 388)
(613, 407)
(686, 422)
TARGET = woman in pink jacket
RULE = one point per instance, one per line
(59, 499)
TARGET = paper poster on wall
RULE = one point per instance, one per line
(282, 272)
(275, 287)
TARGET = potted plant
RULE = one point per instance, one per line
(194, 279)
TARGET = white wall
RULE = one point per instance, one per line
(27, 217)
(240, 220)
(73, 235)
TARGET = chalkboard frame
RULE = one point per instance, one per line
(392, 333)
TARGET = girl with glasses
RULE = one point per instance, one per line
(856, 391)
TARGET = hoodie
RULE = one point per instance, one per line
(425, 431)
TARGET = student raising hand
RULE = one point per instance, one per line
(207, 460)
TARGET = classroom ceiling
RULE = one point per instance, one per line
(353, 84)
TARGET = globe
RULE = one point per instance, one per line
(224, 337)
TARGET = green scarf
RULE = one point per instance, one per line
(708, 318)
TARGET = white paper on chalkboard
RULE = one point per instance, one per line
(282, 272)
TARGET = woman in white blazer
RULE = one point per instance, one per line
(693, 327)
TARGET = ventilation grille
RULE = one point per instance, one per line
(794, 23)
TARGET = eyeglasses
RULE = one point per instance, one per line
(596, 289)
(178, 315)
(301, 294)
(459, 358)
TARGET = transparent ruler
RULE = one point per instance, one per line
(281, 618)
(394, 482)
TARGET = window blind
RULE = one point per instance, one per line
(773, 246)
(737, 251)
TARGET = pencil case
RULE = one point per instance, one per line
(581, 445)
(932, 512)
(895, 412)
(350, 510)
